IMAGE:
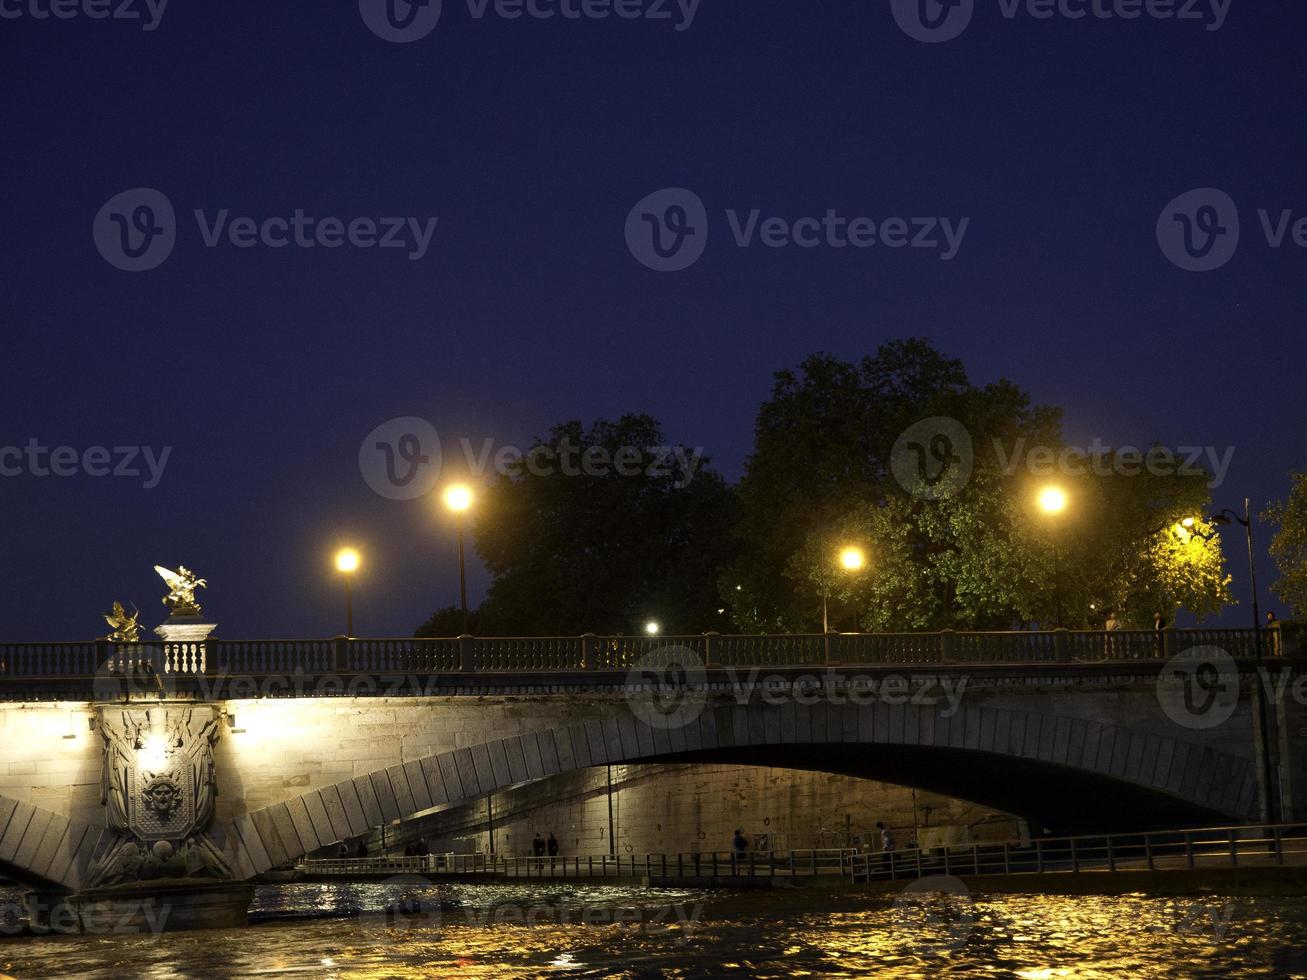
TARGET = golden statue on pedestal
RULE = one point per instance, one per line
(125, 628)
(181, 590)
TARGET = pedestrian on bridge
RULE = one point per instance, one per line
(552, 845)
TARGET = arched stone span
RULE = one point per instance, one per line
(1010, 759)
(41, 849)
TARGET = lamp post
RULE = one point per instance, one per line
(1227, 516)
(851, 560)
(458, 498)
(347, 563)
(1052, 501)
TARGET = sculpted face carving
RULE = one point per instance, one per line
(163, 796)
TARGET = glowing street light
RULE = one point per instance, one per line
(653, 627)
(1052, 500)
(458, 498)
(851, 559)
(347, 563)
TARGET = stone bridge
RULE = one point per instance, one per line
(196, 765)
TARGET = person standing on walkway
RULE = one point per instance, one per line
(886, 845)
(1112, 625)
(551, 845)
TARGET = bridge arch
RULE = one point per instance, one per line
(1063, 772)
(43, 849)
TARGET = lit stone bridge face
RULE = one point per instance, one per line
(190, 769)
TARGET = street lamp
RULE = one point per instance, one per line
(347, 563)
(1052, 501)
(653, 627)
(851, 560)
(1227, 517)
(458, 498)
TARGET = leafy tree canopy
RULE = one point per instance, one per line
(1289, 545)
(984, 557)
(610, 528)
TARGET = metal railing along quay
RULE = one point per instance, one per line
(590, 653)
(833, 862)
(1279, 845)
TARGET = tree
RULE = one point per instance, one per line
(600, 530)
(822, 462)
(982, 557)
(1289, 545)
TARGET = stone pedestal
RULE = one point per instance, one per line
(183, 635)
(143, 908)
(183, 628)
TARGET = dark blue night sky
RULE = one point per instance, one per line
(530, 140)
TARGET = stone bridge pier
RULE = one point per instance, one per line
(163, 809)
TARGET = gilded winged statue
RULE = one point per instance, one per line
(181, 590)
(125, 628)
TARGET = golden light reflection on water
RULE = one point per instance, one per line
(510, 931)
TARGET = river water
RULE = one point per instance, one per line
(411, 928)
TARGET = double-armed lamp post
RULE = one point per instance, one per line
(1227, 517)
